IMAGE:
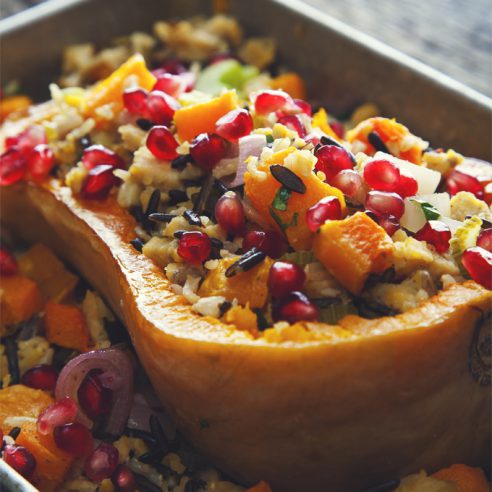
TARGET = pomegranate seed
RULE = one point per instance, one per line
(40, 161)
(294, 307)
(294, 123)
(8, 264)
(304, 106)
(173, 66)
(332, 160)
(98, 155)
(385, 203)
(389, 223)
(436, 233)
(234, 125)
(285, 277)
(135, 101)
(408, 186)
(41, 377)
(194, 247)
(161, 142)
(229, 213)
(327, 208)
(338, 129)
(27, 140)
(207, 150)
(123, 479)
(1, 439)
(161, 107)
(271, 100)
(484, 240)
(74, 439)
(457, 181)
(173, 85)
(478, 263)
(272, 243)
(102, 462)
(94, 399)
(350, 182)
(20, 459)
(13, 166)
(59, 413)
(382, 175)
(99, 182)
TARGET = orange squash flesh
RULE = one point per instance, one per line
(403, 393)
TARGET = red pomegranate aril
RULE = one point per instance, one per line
(332, 160)
(98, 155)
(389, 223)
(98, 182)
(94, 399)
(41, 377)
(304, 106)
(123, 479)
(484, 240)
(408, 186)
(161, 107)
(234, 125)
(74, 438)
(285, 277)
(8, 263)
(13, 166)
(435, 233)
(457, 181)
(61, 412)
(20, 459)
(102, 462)
(271, 100)
(207, 150)
(229, 213)
(272, 243)
(338, 128)
(27, 139)
(478, 263)
(173, 85)
(328, 208)
(294, 307)
(294, 123)
(382, 175)
(161, 142)
(385, 203)
(135, 101)
(194, 247)
(351, 184)
(40, 162)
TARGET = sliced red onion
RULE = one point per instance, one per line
(250, 145)
(140, 413)
(112, 361)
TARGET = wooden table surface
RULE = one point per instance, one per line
(453, 36)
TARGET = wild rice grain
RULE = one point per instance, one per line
(192, 218)
(11, 350)
(248, 261)
(14, 432)
(153, 203)
(144, 124)
(137, 243)
(161, 217)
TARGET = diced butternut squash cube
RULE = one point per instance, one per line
(12, 104)
(53, 279)
(320, 120)
(353, 248)
(20, 299)
(247, 287)
(110, 90)
(260, 487)
(66, 326)
(52, 464)
(198, 118)
(291, 83)
(243, 318)
(466, 478)
(261, 192)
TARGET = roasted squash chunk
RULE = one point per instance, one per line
(352, 249)
(247, 287)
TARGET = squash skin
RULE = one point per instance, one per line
(341, 415)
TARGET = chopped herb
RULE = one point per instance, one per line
(283, 226)
(430, 212)
(269, 138)
(281, 198)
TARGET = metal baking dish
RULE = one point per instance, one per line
(342, 67)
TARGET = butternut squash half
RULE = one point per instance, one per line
(341, 414)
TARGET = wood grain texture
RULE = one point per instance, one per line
(453, 36)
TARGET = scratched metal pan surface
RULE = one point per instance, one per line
(342, 66)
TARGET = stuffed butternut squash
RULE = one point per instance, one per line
(313, 308)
